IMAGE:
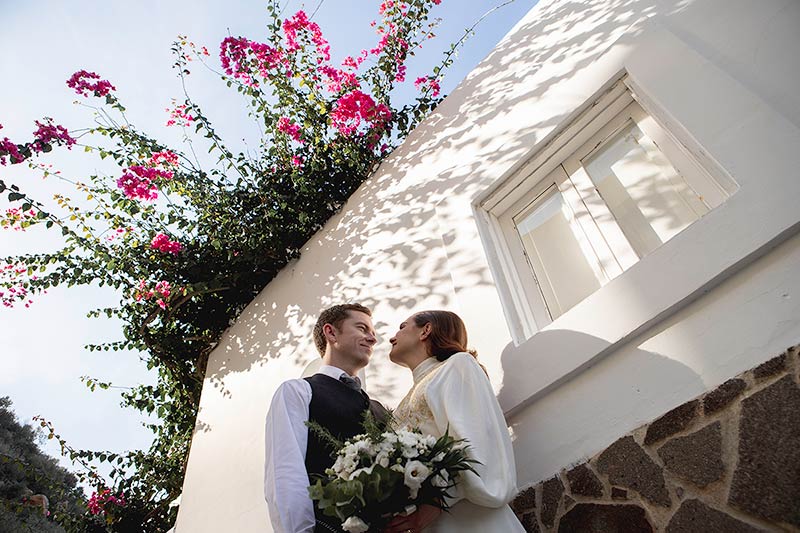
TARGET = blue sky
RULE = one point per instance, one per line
(43, 43)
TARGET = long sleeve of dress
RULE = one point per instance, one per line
(462, 401)
(285, 477)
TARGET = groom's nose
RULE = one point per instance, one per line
(371, 338)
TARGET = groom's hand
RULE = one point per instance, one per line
(415, 522)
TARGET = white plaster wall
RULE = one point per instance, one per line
(408, 240)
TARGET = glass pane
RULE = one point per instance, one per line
(649, 199)
(558, 253)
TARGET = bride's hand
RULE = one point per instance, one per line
(415, 522)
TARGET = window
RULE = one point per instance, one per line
(614, 187)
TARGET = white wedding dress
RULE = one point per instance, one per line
(456, 394)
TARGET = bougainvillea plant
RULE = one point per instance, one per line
(187, 245)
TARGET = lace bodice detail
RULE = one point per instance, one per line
(413, 410)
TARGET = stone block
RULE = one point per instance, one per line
(552, 490)
(529, 523)
(694, 516)
(766, 481)
(525, 501)
(771, 367)
(598, 518)
(618, 493)
(696, 458)
(626, 464)
(674, 421)
(583, 482)
(723, 395)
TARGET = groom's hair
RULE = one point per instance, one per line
(334, 316)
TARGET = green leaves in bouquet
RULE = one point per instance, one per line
(379, 483)
(376, 423)
(324, 434)
(455, 459)
(338, 498)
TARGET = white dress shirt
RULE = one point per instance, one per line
(285, 477)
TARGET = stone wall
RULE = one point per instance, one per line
(728, 461)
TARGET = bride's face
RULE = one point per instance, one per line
(407, 341)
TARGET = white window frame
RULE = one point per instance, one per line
(559, 165)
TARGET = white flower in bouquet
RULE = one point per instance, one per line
(345, 465)
(355, 525)
(415, 473)
(385, 472)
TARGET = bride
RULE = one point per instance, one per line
(452, 392)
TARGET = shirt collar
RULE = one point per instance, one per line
(331, 371)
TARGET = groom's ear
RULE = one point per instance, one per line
(329, 332)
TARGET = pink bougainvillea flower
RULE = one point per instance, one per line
(381, 45)
(338, 80)
(235, 56)
(400, 77)
(165, 158)
(138, 182)
(385, 6)
(10, 150)
(162, 243)
(99, 499)
(428, 83)
(82, 83)
(137, 188)
(13, 289)
(48, 133)
(160, 293)
(266, 57)
(355, 108)
(291, 129)
(119, 232)
(299, 22)
(178, 115)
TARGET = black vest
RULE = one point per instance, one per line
(340, 410)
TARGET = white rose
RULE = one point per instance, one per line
(355, 525)
(410, 451)
(415, 474)
(439, 457)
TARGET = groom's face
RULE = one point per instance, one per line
(355, 338)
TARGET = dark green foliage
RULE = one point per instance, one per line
(25, 471)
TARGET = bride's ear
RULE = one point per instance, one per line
(426, 331)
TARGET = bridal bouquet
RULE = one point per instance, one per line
(386, 472)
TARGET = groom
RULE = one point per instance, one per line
(332, 397)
